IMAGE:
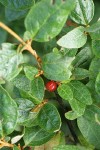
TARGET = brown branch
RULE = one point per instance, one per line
(2, 25)
(5, 144)
(27, 45)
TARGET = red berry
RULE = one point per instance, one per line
(51, 86)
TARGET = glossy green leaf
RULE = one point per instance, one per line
(49, 118)
(35, 136)
(71, 115)
(94, 68)
(21, 82)
(73, 39)
(91, 86)
(80, 92)
(30, 72)
(83, 58)
(80, 73)
(77, 106)
(68, 147)
(97, 83)
(25, 116)
(96, 47)
(83, 12)
(56, 66)
(49, 20)
(37, 88)
(24, 86)
(10, 60)
(7, 108)
(94, 30)
(89, 125)
(94, 27)
(17, 4)
(65, 92)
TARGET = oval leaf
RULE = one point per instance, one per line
(73, 39)
(89, 125)
(80, 73)
(83, 12)
(49, 20)
(56, 66)
(65, 92)
(35, 136)
(81, 92)
(30, 72)
(10, 60)
(71, 115)
(25, 116)
(8, 113)
(94, 30)
(49, 118)
(37, 88)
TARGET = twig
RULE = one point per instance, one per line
(27, 45)
(2, 25)
(5, 144)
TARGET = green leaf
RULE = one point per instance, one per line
(94, 68)
(10, 60)
(56, 66)
(65, 92)
(49, 20)
(80, 92)
(49, 118)
(89, 125)
(83, 57)
(97, 83)
(92, 89)
(25, 116)
(21, 82)
(96, 47)
(24, 86)
(35, 136)
(94, 30)
(17, 5)
(73, 39)
(15, 147)
(77, 106)
(12, 15)
(37, 88)
(69, 147)
(8, 113)
(83, 12)
(80, 73)
(71, 115)
(30, 72)
(94, 27)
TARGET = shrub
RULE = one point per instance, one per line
(49, 75)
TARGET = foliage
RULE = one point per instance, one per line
(43, 42)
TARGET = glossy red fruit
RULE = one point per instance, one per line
(51, 86)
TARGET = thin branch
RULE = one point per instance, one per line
(2, 25)
(5, 144)
(27, 45)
